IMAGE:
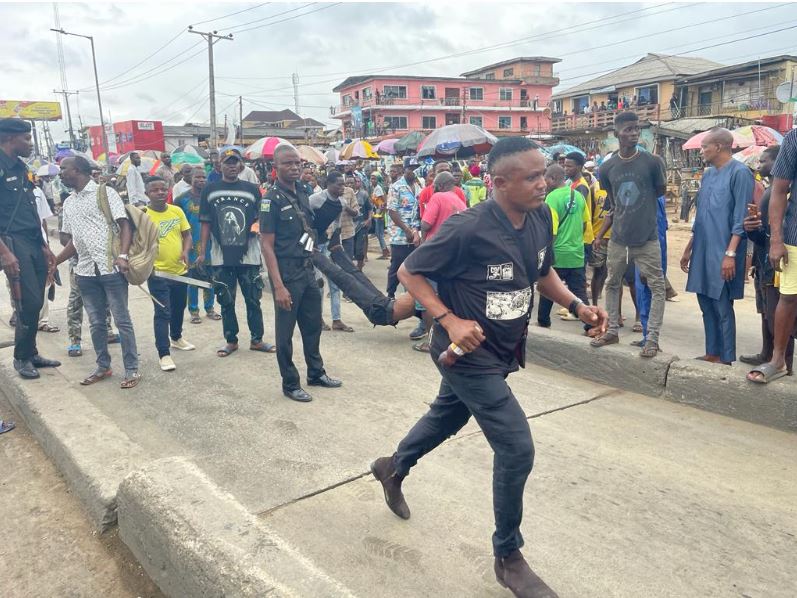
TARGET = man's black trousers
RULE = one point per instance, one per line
(398, 253)
(32, 280)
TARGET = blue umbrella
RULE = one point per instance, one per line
(562, 148)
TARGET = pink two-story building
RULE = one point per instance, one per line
(508, 97)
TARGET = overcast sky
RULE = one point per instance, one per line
(332, 41)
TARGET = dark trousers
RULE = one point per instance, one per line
(348, 246)
(576, 281)
(356, 286)
(32, 278)
(306, 311)
(719, 325)
(168, 320)
(488, 398)
(248, 278)
(398, 253)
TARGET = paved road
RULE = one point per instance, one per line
(630, 496)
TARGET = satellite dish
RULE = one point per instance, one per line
(786, 92)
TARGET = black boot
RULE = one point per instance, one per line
(513, 572)
(384, 470)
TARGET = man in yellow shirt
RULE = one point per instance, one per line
(174, 245)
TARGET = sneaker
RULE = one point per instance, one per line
(167, 363)
(182, 344)
(419, 332)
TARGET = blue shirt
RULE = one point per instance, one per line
(190, 207)
(721, 208)
(786, 168)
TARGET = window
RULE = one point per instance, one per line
(395, 122)
(490, 76)
(523, 123)
(476, 93)
(428, 92)
(505, 94)
(579, 104)
(537, 70)
(504, 122)
(347, 100)
(476, 120)
(395, 91)
(510, 72)
(647, 95)
(429, 122)
(366, 93)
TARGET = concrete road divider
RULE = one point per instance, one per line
(195, 540)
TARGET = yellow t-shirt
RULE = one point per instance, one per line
(583, 187)
(171, 224)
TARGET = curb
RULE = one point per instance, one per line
(195, 540)
(90, 451)
(714, 388)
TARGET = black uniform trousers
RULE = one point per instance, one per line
(298, 277)
(32, 280)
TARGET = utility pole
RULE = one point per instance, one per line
(211, 37)
(241, 115)
(66, 95)
(295, 78)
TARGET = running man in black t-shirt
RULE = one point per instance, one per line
(486, 261)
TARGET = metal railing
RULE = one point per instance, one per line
(601, 119)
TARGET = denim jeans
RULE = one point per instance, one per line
(348, 247)
(719, 324)
(489, 399)
(334, 291)
(248, 278)
(99, 293)
(193, 298)
(168, 320)
(379, 231)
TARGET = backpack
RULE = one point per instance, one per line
(144, 246)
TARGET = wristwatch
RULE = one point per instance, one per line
(573, 308)
(730, 254)
(122, 256)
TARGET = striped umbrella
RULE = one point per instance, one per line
(742, 137)
(358, 149)
(387, 146)
(263, 148)
(311, 154)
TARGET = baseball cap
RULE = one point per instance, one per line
(229, 154)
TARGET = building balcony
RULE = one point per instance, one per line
(450, 104)
(750, 109)
(601, 121)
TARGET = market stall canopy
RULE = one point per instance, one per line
(457, 140)
(562, 148)
(742, 137)
(750, 155)
(332, 155)
(358, 149)
(409, 143)
(264, 148)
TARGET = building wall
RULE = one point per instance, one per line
(535, 121)
(520, 70)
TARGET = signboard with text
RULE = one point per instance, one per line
(30, 110)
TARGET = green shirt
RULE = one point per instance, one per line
(568, 247)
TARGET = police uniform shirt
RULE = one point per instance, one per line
(279, 217)
(16, 186)
(486, 270)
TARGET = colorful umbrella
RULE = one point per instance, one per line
(742, 137)
(180, 158)
(48, 170)
(147, 163)
(409, 143)
(457, 140)
(387, 146)
(750, 155)
(190, 149)
(332, 155)
(358, 149)
(311, 154)
(263, 148)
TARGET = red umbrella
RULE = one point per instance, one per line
(742, 137)
(263, 148)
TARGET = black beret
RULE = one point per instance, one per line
(14, 125)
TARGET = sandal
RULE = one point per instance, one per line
(637, 327)
(768, 373)
(6, 426)
(195, 319)
(650, 349)
(421, 347)
(131, 381)
(96, 376)
(212, 315)
(263, 347)
(226, 350)
(74, 350)
(341, 327)
(48, 328)
(606, 339)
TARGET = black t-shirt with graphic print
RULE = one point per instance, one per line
(486, 270)
(231, 209)
(632, 196)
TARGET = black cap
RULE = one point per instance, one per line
(231, 153)
(14, 125)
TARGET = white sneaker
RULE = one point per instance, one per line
(167, 363)
(182, 345)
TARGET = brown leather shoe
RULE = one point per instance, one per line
(514, 573)
(384, 470)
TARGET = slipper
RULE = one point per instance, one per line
(48, 328)
(342, 328)
(674, 299)
(768, 372)
(96, 376)
(650, 349)
(74, 350)
(6, 426)
(263, 347)
(606, 339)
(421, 347)
(212, 315)
(637, 327)
(195, 319)
(569, 318)
(756, 359)
(708, 358)
(226, 350)
(131, 382)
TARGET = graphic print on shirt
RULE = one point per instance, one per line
(233, 226)
(166, 226)
(500, 272)
(541, 257)
(508, 305)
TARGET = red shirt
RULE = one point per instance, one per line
(426, 195)
(440, 208)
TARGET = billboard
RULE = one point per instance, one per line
(30, 110)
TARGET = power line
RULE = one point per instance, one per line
(135, 66)
(233, 28)
(309, 12)
(232, 14)
(140, 78)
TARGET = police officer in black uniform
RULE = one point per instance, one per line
(287, 241)
(25, 259)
